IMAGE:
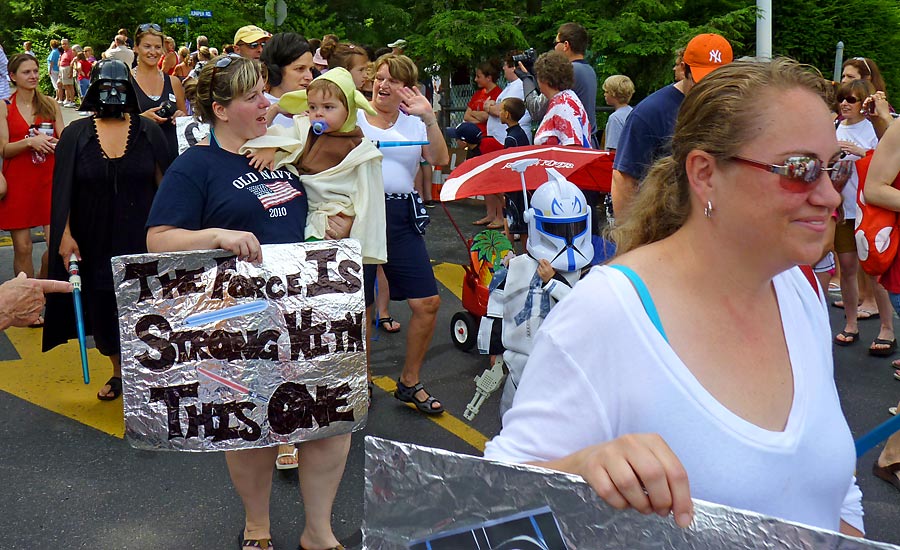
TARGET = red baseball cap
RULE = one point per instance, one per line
(706, 53)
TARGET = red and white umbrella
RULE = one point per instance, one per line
(492, 173)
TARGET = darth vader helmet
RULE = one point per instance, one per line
(111, 92)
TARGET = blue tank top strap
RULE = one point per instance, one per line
(644, 295)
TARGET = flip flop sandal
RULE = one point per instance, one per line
(115, 389)
(850, 338)
(838, 304)
(865, 314)
(407, 394)
(887, 473)
(892, 411)
(897, 375)
(338, 547)
(380, 323)
(290, 465)
(254, 543)
(895, 364)
(883, 352)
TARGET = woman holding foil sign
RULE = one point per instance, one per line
(198, 208)
(699, 363)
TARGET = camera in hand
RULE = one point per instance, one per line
(166, 109)
(870, 108)
(527, 57)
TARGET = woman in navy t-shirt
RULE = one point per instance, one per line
(212, 198)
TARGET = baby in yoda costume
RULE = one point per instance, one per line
(340, 168)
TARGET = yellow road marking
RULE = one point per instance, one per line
(53, 381)
(446, 421)
(451, 276)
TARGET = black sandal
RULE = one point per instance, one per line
(883, 352)
(254, 543)
(407, 394)
(389, 322)
(115, 389)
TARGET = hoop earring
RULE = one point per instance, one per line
(708, 210)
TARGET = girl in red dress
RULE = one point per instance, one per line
(28, 161)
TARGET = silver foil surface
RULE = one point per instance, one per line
(219, 354)
(413, 492)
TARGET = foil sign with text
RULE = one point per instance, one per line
(220, 354)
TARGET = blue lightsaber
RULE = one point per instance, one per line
(75, 279)
(881, 432)
(383, 144)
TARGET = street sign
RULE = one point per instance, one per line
(201, 13)
(178, 20)
(276, 12)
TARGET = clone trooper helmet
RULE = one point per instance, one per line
(559, 224)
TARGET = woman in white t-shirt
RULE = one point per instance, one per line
(856, 135)
(289, 61)
(700, 363)
(404, 114)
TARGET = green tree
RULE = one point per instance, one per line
(809, 32)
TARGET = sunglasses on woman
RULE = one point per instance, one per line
(801, 172)
(866, 63)
(221, 63)
(849, 99)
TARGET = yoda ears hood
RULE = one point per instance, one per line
(297, 103)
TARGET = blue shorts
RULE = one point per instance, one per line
(408, 268)
(369, 273)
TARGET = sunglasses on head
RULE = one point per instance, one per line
(802, 172)
(254, 45)
(147, 26)
(866, 63)
(221, 63)
(849, 99)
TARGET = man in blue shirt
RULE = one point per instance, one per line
(648, 131)
(572, 40)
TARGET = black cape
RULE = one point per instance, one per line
(59, 326)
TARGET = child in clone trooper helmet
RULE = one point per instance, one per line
(559, 249)
(340, 168)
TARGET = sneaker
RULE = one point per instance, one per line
(59, 101)
(430, 204)
(69, 104)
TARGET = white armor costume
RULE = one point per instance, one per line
(559, 230)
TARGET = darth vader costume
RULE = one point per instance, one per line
(105, 202)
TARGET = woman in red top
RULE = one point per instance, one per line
(169, 60)
(486, 79)
(28, 161)
(83, 72)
